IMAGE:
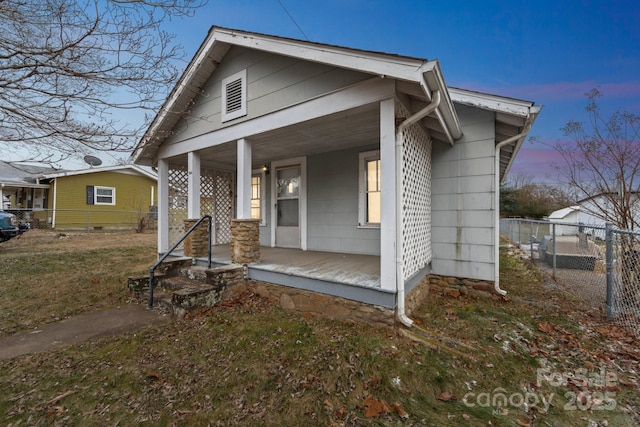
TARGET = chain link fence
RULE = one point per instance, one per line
(598, 264)
(88, 220)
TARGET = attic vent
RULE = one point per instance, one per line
(234, 96)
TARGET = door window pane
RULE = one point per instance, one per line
(288, 213)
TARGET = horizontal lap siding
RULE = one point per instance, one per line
(462, 199)
(274, 82)
(332, 205)
(133, 198)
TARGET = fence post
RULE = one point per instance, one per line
(531, 239)
(609, 263)
(553, 239)
(519, 241)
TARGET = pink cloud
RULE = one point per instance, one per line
(564, 90)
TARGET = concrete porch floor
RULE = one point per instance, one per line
(348, 269)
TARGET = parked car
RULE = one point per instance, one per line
(9, 227)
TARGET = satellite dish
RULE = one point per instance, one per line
(92, 160)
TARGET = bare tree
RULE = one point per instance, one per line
(602, 163)
(71, 71)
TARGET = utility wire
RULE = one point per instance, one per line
(294, 21)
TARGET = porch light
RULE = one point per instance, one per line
(265, 169)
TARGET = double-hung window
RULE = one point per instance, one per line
(97, 195)
(369, 176)
(258, 196)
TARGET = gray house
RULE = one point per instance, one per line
(365, 163)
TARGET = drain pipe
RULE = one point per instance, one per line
(496, 249)
(435, 101)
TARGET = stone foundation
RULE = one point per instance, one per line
(417, 295)
(197, 243)
(245, 241)
(455, 286)
(323, 305)
(229, 280)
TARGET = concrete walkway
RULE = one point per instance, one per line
(81, 328)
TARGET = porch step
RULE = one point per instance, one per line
(181, 287)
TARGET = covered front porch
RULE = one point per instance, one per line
(351, 276)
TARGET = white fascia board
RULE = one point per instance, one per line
(434, 79)
(368, 62)
(183, 84)
(367, 92)
(491, 102)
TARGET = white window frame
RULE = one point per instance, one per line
(242, 111)
(95, 195)
(263, 200)
(362, 188)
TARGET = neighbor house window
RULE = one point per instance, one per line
(257, 196)
(101, 195)
(369, 176)
(234, 96)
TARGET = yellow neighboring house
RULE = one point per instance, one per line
(111, 197)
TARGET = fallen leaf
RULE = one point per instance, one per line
(445, 396)
(522, 423)
(373, 407)
(400, 410)
(545, 327)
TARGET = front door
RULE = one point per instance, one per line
(287, 206)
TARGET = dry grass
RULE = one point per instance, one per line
(251, 363)
(48, 276)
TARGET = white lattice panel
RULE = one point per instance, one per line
(216, 198)
(178, 193)
(416, 197)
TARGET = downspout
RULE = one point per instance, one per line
(496, 225)
(435, 102)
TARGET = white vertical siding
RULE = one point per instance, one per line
(463, 210)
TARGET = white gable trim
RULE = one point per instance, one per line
(404, 68)
(117, 168)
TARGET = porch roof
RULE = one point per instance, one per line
(415, 81)
(418, 77)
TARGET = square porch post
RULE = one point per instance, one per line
(244, 179)
(388, 195)
(193, 185)
(163, 205)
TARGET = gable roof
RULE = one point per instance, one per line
(419, 78)
(563, 213)
(22, 175)
(118, 168)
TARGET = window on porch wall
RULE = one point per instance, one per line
(369, 177)
(257, 196)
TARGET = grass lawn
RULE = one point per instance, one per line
(534, 358)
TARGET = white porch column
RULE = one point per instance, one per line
(193, 185)
(163, 206)
(244, 180)
(388, 195)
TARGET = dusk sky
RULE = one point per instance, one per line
(549, 52)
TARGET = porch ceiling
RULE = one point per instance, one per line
(347, 129)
